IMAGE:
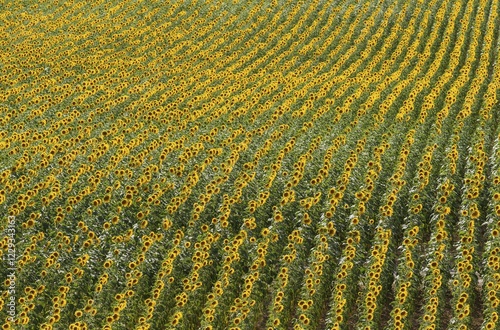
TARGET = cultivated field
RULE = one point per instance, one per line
(249, 164)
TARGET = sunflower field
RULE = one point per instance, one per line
(249, 164)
